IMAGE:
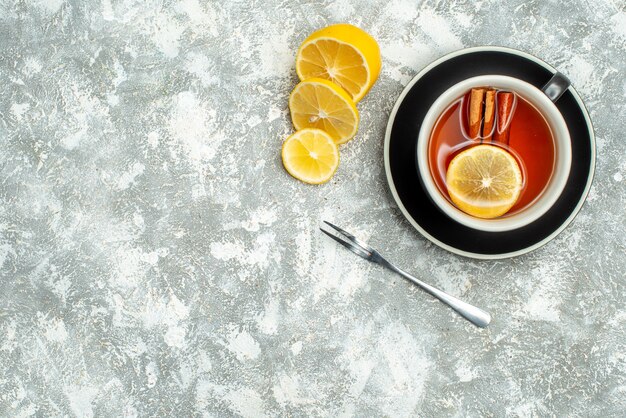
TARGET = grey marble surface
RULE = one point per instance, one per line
(156, 259)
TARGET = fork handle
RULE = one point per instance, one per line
(473, 314)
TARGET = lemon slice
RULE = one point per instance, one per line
(484, 181)
(321, 104)
(311, 156)
(343, 54)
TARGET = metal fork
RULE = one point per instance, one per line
(473, 314)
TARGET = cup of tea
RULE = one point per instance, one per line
(494, 152)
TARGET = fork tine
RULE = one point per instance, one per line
(352, 238)
(357, 250)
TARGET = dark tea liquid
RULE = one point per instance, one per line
(530, 142)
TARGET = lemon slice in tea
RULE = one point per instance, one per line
(484, 181)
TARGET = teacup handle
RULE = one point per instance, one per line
(556, 86)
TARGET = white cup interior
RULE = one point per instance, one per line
(563, 153)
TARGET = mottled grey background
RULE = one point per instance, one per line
(156, 259)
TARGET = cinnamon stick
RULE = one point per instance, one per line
(506, 100)
(490, 115)
(475, 112)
